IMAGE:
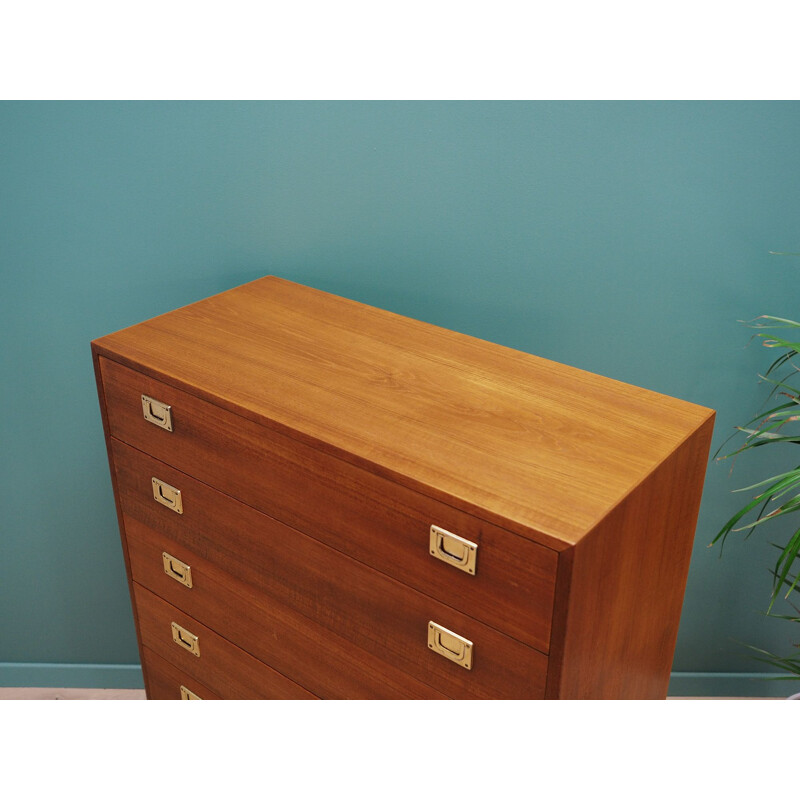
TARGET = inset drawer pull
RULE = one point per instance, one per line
(188, 694)
(157, 412)
(188, 641)
(177, 569)
(459, 553)
(167, 495)
(450, 645)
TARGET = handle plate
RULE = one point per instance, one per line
(450, 645)
(177, 569)
(454, 550)
(185, 639)
(167, 495)
(158, 413)
(188, 694)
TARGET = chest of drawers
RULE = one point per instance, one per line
(319, 499)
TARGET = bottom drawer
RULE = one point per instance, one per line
(167, 682)
(212, 661)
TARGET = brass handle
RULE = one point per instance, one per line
(450, 645)
(177, 569)
(157, 412)
(188, 694)
(453, 550)
(167, 495)
(186, 639)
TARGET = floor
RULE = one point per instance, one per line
(138, 694)
(71, 694)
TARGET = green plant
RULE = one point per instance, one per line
(778, 495)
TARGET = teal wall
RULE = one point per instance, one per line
(625, 238)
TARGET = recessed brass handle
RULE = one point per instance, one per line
(453, 550)
(167, 495)
(188, 694)
(157, 412)
(177, 569)
(186, 639)
(450, 645)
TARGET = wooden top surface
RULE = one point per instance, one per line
(542, 448)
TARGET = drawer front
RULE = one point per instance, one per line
(364, 515)
(361, 605)
(327, 665)
(167, 682)
(221, 666)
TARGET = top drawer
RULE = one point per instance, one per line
(366, 516)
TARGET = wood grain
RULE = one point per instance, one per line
(365, 516)
(104, 415)
(486, 429)
(324, 437)
(224, 668)
(166, 679)
(316, 657)
(620, 590)
(376, 613)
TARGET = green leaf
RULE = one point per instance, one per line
(787, 508)
(792, 392)
(770, 427)
(789, 664)
(767, 438)
(784, 564)
(784, 407)
(777, 482)
(783, 323)
(779, 362)
(789, 617)
(728, 526)
(775, 341)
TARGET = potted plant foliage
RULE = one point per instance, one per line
(778, 495)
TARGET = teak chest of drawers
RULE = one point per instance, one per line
(321, 499)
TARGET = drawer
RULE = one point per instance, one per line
(167, 682)
(327, 665)
(360, 513)
(221, 666)
(361, 605)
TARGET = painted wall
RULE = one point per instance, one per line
(623, 238)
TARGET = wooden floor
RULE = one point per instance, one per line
(71, 694)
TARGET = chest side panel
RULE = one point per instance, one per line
(621, 589)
